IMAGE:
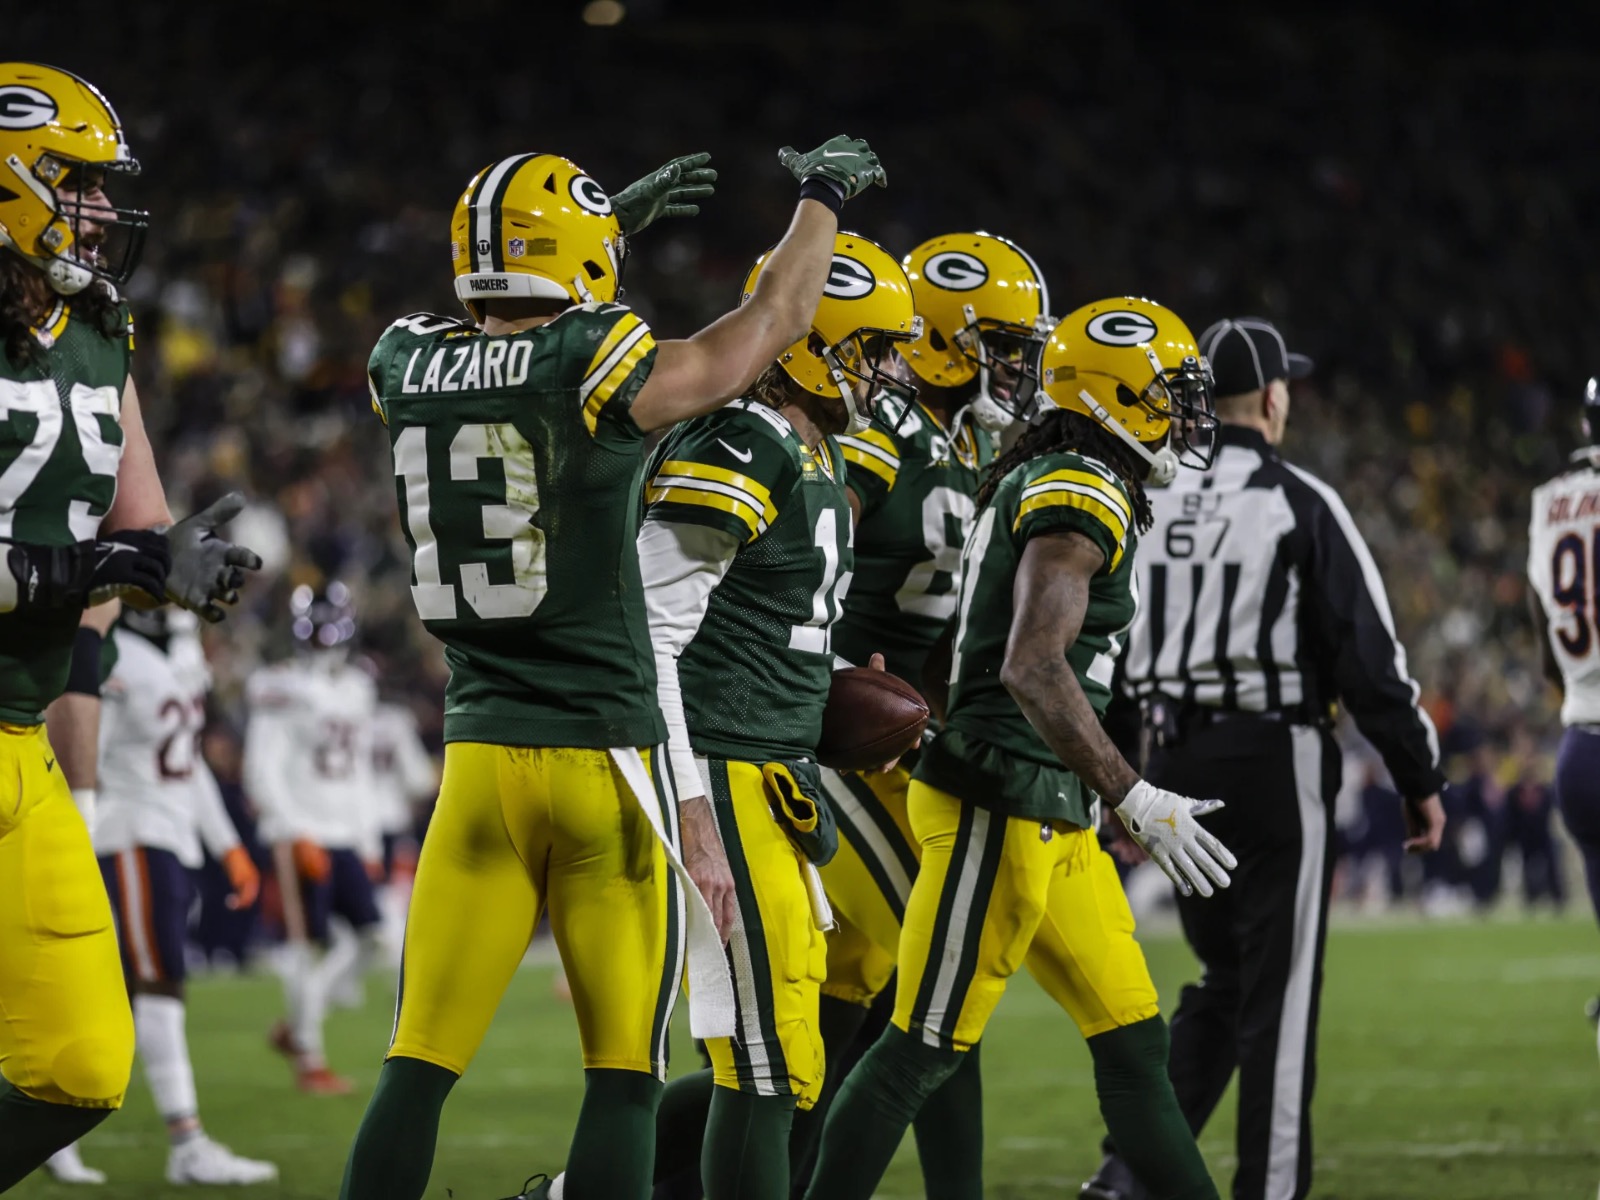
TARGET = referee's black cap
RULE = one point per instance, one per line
(1247, 353)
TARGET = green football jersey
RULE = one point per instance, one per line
(916, 488)
(517, 466)
(755, 677)
(60, 447)
(988, 754)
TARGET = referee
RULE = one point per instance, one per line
(1261, 610)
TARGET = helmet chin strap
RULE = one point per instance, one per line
(858, 421)
(988, 412)
(1163, 463)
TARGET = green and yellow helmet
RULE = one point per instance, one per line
(59, 137)
(1135, 368)
(983, 303)
(866, 310)
(535, 226)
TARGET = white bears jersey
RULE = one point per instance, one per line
(402, 769)
(308, 753)
(1564, 570)
(154, 787)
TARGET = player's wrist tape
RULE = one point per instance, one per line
(823, 191)
(85, 799)
(83, 676)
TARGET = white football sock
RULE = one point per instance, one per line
(308, 1002)
(344, 966)
(158, 1027)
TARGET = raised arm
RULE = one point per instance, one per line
(702, 373)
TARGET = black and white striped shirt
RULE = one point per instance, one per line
(1258, 594)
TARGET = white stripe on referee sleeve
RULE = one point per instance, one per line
(1299, 993)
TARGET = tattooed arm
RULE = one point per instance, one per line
(1049, 599)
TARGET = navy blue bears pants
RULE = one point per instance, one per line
(1578, 795)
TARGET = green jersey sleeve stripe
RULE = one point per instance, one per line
(706, 494)
(1086, 483)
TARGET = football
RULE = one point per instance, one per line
(871, 718)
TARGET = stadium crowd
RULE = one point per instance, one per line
(1435, 269)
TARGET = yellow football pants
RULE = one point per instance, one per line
(994, 892)
(66, 1029)
(517, 829)
(868, 881)
(778, 954)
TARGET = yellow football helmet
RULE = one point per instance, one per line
(534, 225)
(1135, 368)
(58, 137)
(983, 302)
(865, 311)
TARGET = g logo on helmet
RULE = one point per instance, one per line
(848, 279)
(591, 197)
(23, 107)
(1121, 328)
(955, 271)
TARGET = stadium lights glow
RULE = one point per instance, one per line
(604, 12)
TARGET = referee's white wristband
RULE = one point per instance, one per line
(84, 798)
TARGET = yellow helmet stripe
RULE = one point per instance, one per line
(1087, 482)
(486, 205)
(681, 490)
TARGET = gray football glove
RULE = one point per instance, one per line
(207, 571)
(668, 191)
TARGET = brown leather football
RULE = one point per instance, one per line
(871, 718)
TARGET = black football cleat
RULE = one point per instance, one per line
(1113, 1181)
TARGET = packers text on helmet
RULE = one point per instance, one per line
(534, 226)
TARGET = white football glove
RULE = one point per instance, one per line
(1164, 824)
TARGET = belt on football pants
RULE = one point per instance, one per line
(712, 1012)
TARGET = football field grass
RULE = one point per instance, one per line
(1456, 1065)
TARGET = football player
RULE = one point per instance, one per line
(518, 443)
(912, 481)
(157, 802)
(308, 771)
(80, 506)
(1001, 801)
(404, 775)
(746, 554)
(1564, 574)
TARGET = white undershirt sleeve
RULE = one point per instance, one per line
(210, 814)
(681, 566)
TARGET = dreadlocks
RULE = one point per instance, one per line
(1060, 430)
(18, 295)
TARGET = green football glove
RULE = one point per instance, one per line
(846, 162)
(666, 192)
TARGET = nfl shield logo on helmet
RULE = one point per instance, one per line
(516, 247)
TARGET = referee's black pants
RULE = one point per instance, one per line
(1260, 940)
